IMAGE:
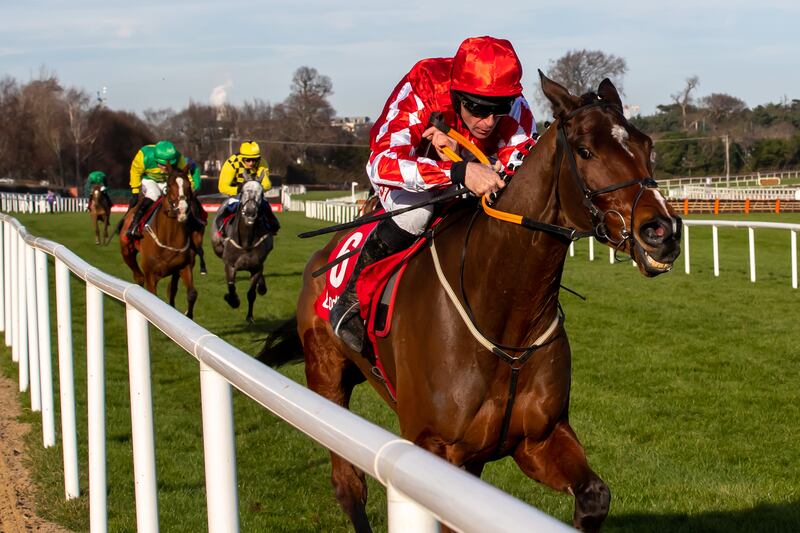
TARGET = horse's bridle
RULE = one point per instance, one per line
(599, 217)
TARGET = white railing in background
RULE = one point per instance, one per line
(715, 224)
(699, 192)
(742, 180)
(37, 203)
(421, 488)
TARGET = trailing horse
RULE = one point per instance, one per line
(166, 246)
(476, 363)
(100, 211)
(243, 245)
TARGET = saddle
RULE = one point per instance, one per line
(376, 286)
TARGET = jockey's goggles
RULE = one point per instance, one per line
(482, 107)
(250, 159)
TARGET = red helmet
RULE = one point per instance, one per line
(488, 67)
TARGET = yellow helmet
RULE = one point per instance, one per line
(250, 150)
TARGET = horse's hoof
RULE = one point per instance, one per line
(251, 320)
(262, 290)
(97, 241)
(203, 271)
(232, 300)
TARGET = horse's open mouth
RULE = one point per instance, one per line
(649, 265)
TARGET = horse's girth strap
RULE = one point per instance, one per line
(486, 343)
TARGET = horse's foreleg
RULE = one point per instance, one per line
(105, 229)
(332, 375)
(560, 463)
(231, 297)
(96, 231)
(191, 292)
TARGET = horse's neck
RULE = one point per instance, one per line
(246, 234)
(513, 274)
(168, 229)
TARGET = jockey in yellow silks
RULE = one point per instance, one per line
(245, 166)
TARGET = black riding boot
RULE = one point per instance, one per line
(386, 239)
(133, 230)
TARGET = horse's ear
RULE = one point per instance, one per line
(609, 93)
(560, 98)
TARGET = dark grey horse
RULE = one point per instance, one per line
(243, 244)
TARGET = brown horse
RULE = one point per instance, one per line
(166, 246)
(477, 353)
(100, 211)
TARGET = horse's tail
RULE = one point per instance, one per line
(282, 346)
(117, 229)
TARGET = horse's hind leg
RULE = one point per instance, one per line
(332, 375)
(96, 231)
(560, 463)
(256, 281)
(173, 288)
(191, 292)
(197, 241)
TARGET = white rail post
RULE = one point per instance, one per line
(591, 248)
(752, 239)
(45, 351)
(7, 283)
(22, 317)
(144, 447)
(69, 433)
(715, 244)
(33, 329)
(3, 277)
(405, 515)
(219, 451)
(794, 259)
(687, 268)
(14, 311)
(611, 255)
(572, 249)
(95, 373)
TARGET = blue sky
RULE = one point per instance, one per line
(162, 54)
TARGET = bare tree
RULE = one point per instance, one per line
(82, 135)
(581, 71)
(306, 110)
(721, 105)
(684, 98)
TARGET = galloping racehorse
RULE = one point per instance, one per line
(477, 351)
(100, 211)
(166, 246)
(243, 244)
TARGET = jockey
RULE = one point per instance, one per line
(149, 171)
(97, 177)
(244, 166)
(480, 96)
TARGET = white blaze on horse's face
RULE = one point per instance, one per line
(183, 205)
(621, 135)
(251, 196)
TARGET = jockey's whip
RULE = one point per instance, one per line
(383, 216)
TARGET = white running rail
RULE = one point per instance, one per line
(37, 203)
(715, 225)
(421, 488)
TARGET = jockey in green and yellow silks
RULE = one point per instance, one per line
(97, 177)
(149, 171)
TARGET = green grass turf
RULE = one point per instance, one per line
(685, 395)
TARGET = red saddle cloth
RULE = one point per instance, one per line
(371, 282)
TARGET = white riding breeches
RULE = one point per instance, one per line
(153, 189)
(416, 220)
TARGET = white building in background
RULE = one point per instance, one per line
(352, 124)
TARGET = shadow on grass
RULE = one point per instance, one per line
(765, 517)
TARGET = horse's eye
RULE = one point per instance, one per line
(584, 152)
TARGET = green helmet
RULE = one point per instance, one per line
(165, 153)
(97, 176)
